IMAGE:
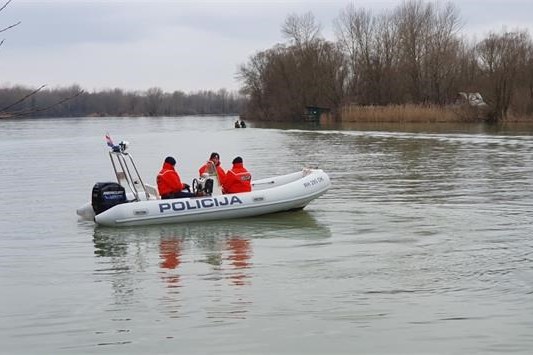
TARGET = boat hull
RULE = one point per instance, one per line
(283, 193)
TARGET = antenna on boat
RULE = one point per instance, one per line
(126, 170)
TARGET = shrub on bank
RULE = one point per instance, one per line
(405, 114)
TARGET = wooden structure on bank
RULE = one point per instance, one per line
(316, 113)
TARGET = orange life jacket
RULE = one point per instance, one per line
(168, 180)
(238, 179)
(220, 172)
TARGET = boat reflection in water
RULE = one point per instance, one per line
(235, 250)
(202, 268)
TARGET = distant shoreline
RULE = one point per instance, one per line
(409, 113)
(101, 115)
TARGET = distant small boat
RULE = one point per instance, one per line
(112, 206)
(240, 124)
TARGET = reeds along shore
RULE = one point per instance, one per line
(411, 113)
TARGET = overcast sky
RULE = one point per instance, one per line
(177, 44)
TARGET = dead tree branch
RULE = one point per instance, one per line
(10, 26)
(32, 111)
(4, 110)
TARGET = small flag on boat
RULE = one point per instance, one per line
(109, 140)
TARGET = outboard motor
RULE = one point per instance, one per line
(106, 195)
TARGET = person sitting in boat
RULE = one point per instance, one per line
(238, 179)
(237, 125)
(214, 160)
(169, 183)
(243, 125)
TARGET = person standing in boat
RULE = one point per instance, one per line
(238, 179)
(214, 159)
(169, 183)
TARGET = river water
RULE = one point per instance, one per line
(424, 243)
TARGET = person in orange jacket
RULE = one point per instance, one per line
(238, 179)
(169, 183)
(214, 159)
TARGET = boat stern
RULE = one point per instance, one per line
(86, 212)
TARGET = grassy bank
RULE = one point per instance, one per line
(423, 114)
(403, 114)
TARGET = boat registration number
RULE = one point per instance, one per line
(313, 182)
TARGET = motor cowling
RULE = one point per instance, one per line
(106, 195)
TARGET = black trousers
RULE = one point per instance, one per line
(181, 194)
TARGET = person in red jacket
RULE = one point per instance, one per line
(238, 179)
(214, 159)
(169, 183)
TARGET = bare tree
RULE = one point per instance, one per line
(2, 8)
(282, 81)
(387, 47)
(301, 30)
(442, 49)
(354, 29)
(413, 54)
(414, 21)
(154, 98)
(13, 109)
(501, 58)
(254, 77)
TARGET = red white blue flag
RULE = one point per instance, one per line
(109, 140)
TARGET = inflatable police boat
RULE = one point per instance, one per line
(131, 202)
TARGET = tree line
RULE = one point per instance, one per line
(20, 101)
(413, 54)
(74, 102)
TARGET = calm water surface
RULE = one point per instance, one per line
(424, 244)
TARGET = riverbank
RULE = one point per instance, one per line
(421, 114)
(410, 114)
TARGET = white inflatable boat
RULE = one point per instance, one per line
(112, 205)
